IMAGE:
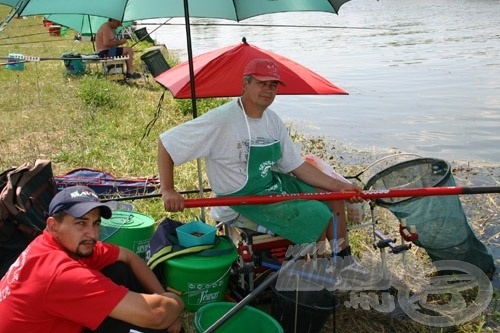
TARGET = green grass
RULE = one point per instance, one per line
(84, 121)
(88, 121)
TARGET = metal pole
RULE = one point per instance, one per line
(273, 277)
(193, 92)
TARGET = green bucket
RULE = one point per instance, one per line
(246, 320)
(201, 279)
(131, 230)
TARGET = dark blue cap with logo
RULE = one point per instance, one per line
(78, 201)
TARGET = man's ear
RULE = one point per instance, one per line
(244, 83)
(52, 224)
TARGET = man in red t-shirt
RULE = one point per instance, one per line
(58, 284)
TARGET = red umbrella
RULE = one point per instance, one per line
(218, 73)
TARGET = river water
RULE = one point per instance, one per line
(423, 76)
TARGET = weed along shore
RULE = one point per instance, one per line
(88, 121)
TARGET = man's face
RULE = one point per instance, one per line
(261, 93)
(78, 235)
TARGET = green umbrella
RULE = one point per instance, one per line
(10, 3)
(85, 24)
(125, 10)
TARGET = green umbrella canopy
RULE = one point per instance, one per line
(128, 10)
(82, 23)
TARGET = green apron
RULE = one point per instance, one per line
(300, 221)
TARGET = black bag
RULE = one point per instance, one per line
(25, 195)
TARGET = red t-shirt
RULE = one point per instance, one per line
(45, 290)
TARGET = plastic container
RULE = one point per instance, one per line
(355, 212)
(246, 320)
(131, 230)
(55, 30)
(312, 308)
(196, 233)
(14, 62)
(201, 279)
(155, 62)
(47, 23)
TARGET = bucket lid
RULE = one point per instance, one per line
(128, 220)
(193, 260)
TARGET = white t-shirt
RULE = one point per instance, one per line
(221, 137)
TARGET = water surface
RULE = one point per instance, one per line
(423, 76)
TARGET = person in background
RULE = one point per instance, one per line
(248, 151)
(108, 45)
(68, 281)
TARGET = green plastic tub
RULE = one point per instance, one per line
(131, 230)
(246, 320)
(201, 279)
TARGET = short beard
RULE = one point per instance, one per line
(84, 254)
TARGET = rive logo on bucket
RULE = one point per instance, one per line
(201, 293)
(141, 247)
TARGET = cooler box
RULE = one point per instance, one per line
(15, 62)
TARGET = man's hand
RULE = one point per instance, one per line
(347, 187)
(172, 200)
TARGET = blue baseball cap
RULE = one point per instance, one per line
(78, 201)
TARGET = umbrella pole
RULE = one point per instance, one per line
(91, 34)
(190, 58)
(193, 92)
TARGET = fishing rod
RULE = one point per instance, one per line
(153, 195)
(22, 58)
(34, 42)
(22, 36)
(321, 196)
(266, 25)
(325, 196)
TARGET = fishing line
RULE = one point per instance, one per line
(270, 25)
(20, 36)
(149, 33)
(41, 41)
(156, 116)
